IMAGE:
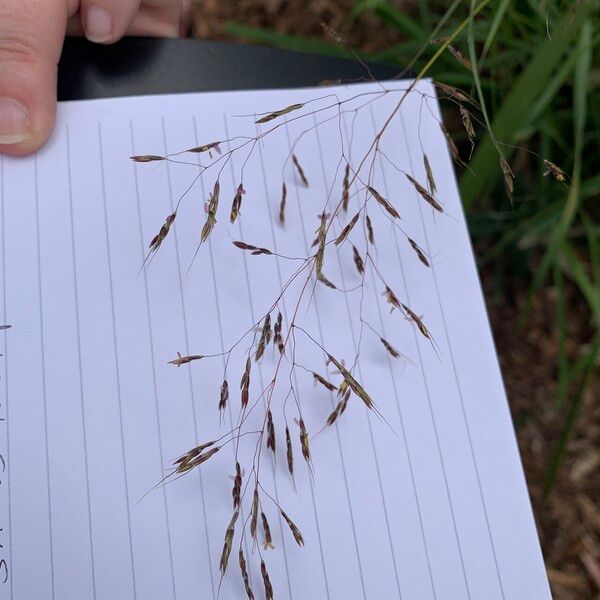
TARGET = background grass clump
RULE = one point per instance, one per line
(532, 66)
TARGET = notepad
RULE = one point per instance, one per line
(421, 496)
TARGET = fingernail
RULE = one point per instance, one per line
(14, 122)
(98, 24)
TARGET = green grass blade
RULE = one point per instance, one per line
(587, 368)
(515, 109)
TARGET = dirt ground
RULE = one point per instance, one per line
(568, 519)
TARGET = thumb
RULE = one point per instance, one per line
(31, 37)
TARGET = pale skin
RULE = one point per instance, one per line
(31, 38)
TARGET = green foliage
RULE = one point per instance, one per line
(536, 75)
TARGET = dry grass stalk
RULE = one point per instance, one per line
(393, 352)
(279, 113)
(289, 451)
(254, 513)
(277, 337)
(468, 125)
(159, 238)
(454, 93)
(268, 543)
(224, 395)
(211, 212)
(358, 261)
(425, 194)
(422, 256)
(236, 205)
(384, 203)
(370, 233)
(347, 229)
(554, 170)
(282, 204)
(452, 146)
(266, 581)
(508, 176)
(228, 543)
(245, 576)
(293, 528)
(346, 188)
(300, 170)
(245, 383)
(460, 57)
(429, 174)
(270, 432)
(144, 158)
(324, 382)
(183, 360)
(3, 327)
(237, 486)
(252, 249)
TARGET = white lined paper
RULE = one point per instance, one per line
(437, 510)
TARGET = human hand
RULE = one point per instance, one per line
(31, 38)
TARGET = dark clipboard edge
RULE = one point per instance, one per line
(143, 66)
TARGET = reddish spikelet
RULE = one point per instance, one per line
(300, 170)
(391, 298)
(252, 249)
(320, 242)
(295, 531)
(206, 148)
(224, 395)
(159, 238)
(183, 360)
(304, 440)
(452, 146)
(358, 261)
(237, 486)
(289, 451)
(460, 57)
(254, 513)
(228, 543)
(236, 205)
(370, 233)
(352, 383)
(245, 576)
(384, 203)
(282, 204)
(277, 337)
(279, 113)
(394, 353)
(265, 338)
(211, 212)
(344, 233)
(192, 459)
(144, 158)
(417, 321)
(421, 255)
(425, 194)
(266, 581)
(346, 188)
(508, 175)
(325, 281)
(429, 174)
(245, 383)
(270, 432)
(268, 543)
(320, 379)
